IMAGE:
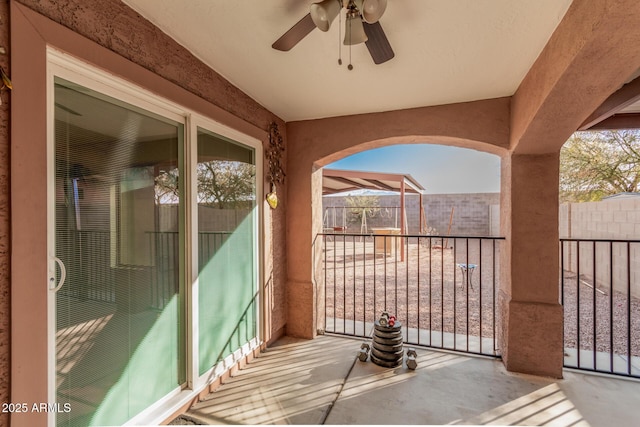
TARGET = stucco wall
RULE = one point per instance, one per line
(473, 214)
(179, 75)
(5, 254)
(112, 24)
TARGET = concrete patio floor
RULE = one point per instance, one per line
(321, 381)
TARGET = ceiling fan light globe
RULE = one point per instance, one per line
(371, 10)
(354, 31)
(324, 13)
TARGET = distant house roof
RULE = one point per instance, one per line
(626, 195)
(339, 181)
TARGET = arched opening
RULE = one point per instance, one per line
(528, 271)
(429, 257)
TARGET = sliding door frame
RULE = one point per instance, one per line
(60, 64)
(199, 121)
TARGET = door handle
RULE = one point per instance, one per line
(63, 276)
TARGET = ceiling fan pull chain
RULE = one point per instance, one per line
(340, 38)
(350, 66)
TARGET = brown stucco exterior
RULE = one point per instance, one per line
(592, 53)
(5, 220)
(112, 37)
(594, 50)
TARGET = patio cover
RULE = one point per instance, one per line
(338, 181)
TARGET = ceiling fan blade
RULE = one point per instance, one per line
(295, 34)
(378, 45)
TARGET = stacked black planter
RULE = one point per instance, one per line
(387, 345)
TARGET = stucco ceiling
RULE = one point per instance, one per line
(446, 51)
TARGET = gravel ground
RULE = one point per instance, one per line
(607, 304)
(424, 294)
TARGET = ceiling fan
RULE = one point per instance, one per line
(361, 26)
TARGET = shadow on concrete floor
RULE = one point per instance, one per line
(321, 381)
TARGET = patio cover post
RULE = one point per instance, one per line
(421, 213)
(403, 228)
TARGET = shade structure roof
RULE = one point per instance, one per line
(338, 181)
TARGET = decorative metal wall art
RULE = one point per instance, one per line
(6, 81)
(274, 163)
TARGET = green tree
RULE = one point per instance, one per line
(370, 205)
(221, 183)
(226, 184)
(594, 165)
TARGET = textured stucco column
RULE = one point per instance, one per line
(530, 338)
(301, 292)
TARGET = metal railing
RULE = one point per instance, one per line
(441, 288)
(600, 293)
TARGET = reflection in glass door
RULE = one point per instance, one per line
(227, 247)
(119, 342)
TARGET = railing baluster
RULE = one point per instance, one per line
(418, 288)
(375, 274)
(335, 284)
(578, 302)
(344, 283)
(562, 289)
(493, 298)
(467, 294)
(395, 276)
(442, 293)
(364, 286)
(406, 287)
(353, 243)
(629, 355)
(594, 309)
(480, 291)
(611, 307)
(324, 275)
(384, 242)
(430, 292)
(455, 297)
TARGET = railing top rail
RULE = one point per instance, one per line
(600, 240)
(412, 236)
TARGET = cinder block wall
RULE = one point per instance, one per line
(609, 219)
(472, 213)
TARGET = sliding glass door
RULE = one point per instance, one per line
(154, 222)
(227, 247)
(120, 342)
